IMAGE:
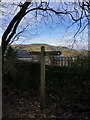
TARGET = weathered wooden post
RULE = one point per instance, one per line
(42, 85)
(42, 77)
(61, 61)
(68, 61)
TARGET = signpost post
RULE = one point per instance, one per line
(42, 77)
(43, 53)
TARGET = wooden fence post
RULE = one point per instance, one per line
(42, 77)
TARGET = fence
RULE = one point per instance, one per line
(51, 58)
(55, 60)
(65, 61)
(69, 61)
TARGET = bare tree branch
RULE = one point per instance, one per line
(77, 14)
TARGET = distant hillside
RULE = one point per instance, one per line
(37, 47)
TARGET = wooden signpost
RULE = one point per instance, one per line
(42, 77)
(43, 53)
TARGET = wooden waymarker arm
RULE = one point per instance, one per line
(46, 53)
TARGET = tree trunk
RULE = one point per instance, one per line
(11, 29)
